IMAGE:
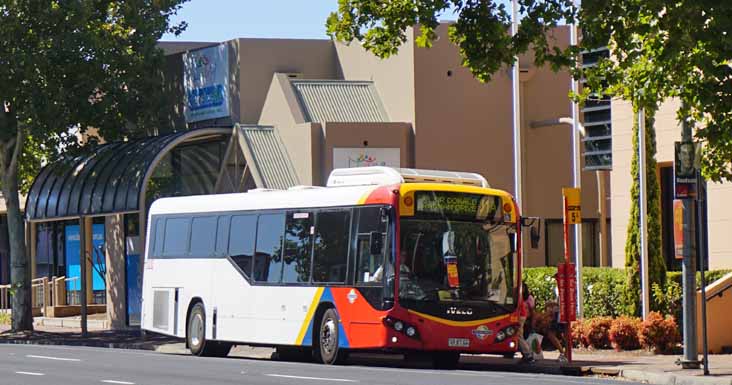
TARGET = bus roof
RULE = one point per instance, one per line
(263, 200)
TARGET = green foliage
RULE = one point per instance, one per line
(657, 268)
(606, 293)
(68, 66)
(481, 32)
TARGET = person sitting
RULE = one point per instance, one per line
(547, 323)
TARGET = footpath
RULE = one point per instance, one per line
(637, 366)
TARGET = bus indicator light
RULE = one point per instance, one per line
(507, 207)
(408, 201)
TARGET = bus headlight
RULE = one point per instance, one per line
(510, 331)
(500, 336)
(411, 331)
(398, 326)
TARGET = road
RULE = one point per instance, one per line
(34, 364)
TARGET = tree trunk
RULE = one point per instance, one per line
(19, 272)
(10, 150)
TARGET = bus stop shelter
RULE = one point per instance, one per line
(94, 205)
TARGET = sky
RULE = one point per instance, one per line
(221, 20)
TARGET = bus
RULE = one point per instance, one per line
(381, 259)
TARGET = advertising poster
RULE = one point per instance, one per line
(206, 83)
(685, 170)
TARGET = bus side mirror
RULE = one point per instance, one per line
(376, 242)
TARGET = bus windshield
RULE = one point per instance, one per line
(449, 261)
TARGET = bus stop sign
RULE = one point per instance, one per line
(572, 213)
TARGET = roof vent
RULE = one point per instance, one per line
(359, 176)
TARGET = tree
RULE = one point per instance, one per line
(66, 66)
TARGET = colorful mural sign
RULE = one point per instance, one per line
(345, 157)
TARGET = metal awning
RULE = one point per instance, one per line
(111, 179)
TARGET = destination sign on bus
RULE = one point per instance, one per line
(457, 205)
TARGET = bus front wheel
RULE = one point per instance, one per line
(327, 350)
(196, 335)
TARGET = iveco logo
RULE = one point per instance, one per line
(459, 311)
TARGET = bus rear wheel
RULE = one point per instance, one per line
(196, 335)
(327, 350)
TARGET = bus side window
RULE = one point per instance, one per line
(241, 241)
(222, 235)
(177, 231)
(268, 256)
(158, 237)
(331, 245)
(297, 247)
(370, 268)
(203, 237)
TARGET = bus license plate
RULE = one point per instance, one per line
(458, 342)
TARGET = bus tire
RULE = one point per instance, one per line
(445, 360)
(326, 349)
(196, 335)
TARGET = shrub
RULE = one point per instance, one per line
(598, 332)
(4, 318)
(603, 292)
(579, 334)
(658, 333)
(623, 333)
(668, 300)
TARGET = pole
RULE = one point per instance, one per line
(702, 251)
(691, 351)
(565, 288)
(517, 166)
(691, 354)
(82, 271)
(576, 179)
(643, 211)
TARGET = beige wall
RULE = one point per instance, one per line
(282, 111)
(668, 131)
(462, 124)
(376, 134)
(393, 77)
(259, 59)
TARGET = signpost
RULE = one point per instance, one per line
(566, 272)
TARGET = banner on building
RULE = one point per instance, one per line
(206, 83)
(345, 157)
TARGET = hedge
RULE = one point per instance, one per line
(604, 290)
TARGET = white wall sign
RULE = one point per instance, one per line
(206, 82)
(345, 157)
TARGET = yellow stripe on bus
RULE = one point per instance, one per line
(309, 316)
(459, 323)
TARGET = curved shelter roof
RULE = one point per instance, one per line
(109, 180)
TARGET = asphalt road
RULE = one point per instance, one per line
(34, 364)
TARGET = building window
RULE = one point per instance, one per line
(555, 242)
